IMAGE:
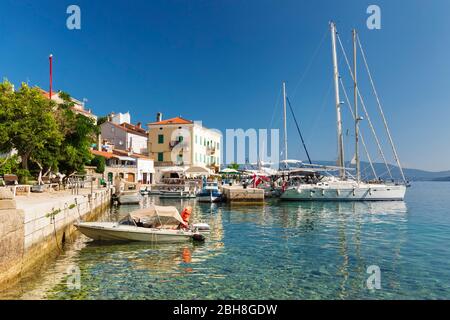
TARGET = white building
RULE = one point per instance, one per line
(124, 135)
(78, 106)
(183, 143)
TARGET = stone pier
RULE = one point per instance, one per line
(34, 228)
(12, 230)
(240, 194)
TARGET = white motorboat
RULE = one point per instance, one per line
(129, 197)
(153, 224)
(178, 194)
(210, 193)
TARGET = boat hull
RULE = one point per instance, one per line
(112, 232)
(209, 198)
(130, 198)
(176, 195)
(369, 193)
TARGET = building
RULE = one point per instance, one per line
(124, 135)
(78, 106)
(181, 142)
(127, 165)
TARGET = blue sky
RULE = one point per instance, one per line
(223, 62)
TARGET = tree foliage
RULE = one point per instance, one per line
(100, 163)
(47, 136)
(234, 166)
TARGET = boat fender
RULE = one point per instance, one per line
(354, 192)
(198, 237)
(337, 192)
(186, 213)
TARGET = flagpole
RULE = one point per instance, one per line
(50, 58)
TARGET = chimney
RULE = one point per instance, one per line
(139, 125)
(99, 142)
(158, 117)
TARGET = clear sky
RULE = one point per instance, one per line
(223, 62)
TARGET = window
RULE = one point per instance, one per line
(196, 139)
(180, 139)
(196, 156)
(160, 138)
(217, 146)
(201, 140)
(160, 156)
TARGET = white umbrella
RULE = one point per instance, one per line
(229, 170)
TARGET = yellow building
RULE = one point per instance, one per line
(181, 142)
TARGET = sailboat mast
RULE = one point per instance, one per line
(338, 102)
(358, 165)
(285, 128)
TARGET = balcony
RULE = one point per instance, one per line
(210, 151)
(174, 143)
(183, 145)
(125, 166)
(168, 163)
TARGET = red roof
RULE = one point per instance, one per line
(130, 128)
(104, 154)
(176, 120)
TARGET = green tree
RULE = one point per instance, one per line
(234, 166)
(79, 132)
(27, 123)
(100, 163)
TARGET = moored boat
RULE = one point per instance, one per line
(129, 197)
(210, 192)
(153, 224)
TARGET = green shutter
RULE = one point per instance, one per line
(160, 156)
(160, 138)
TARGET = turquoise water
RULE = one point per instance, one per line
(279, 250)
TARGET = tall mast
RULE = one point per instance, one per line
(338, 102)
(284, 115)
(358, 166)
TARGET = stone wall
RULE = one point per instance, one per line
(11, 237)
(33, 231)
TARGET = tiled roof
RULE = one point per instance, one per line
(104, 154)
(176, 120)
(130, 128)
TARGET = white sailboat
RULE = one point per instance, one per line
(345, 187)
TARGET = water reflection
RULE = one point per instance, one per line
(278, 250)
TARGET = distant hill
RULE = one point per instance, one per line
(410, 174)
(382, 172)
(442, 179)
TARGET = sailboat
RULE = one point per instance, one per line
(346, 187)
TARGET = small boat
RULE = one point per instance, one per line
(179, 194)
(144, 191)
(210, 193)
(161, 224)
(129, 197)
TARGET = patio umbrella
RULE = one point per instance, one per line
(229, 171)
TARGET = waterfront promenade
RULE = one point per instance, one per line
(34, 227)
